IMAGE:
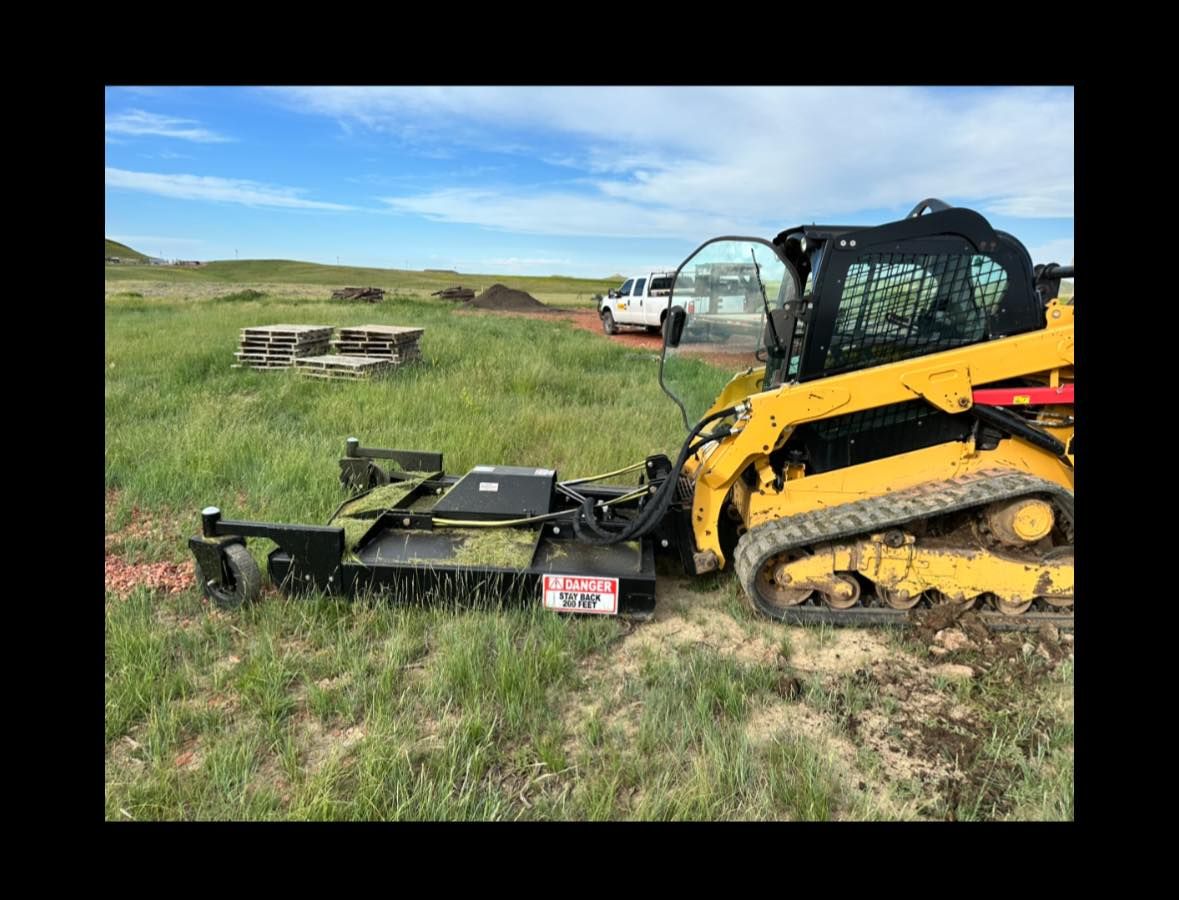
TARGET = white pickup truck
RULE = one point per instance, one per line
(640, 301)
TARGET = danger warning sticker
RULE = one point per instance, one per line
(581, 594)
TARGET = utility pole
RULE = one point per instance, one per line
(235, 252)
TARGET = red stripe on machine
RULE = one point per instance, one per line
(1040, 396)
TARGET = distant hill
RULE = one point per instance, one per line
(614, 277)
(122, 251)
(288, 271)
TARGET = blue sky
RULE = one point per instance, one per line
(581, 181)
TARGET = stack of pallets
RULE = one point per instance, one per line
(386, 342)
(458, 292)
(370, 294)
(338, 367)
(279, 346)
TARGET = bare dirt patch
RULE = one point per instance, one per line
(956, 637)
(155, 527)
(682, 619)
(686, 618)
(122, 577)
(225, 663)
(320, 743)
(588, 320)
(840, 651)
(125, 753)
(890, 713)
(338, 681)
(125, 572)
(783, 721)
(190, 757)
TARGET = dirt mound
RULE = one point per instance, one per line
(499, 296)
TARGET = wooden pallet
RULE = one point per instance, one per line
(254, 350)
(333, 366)
(391, 334)
(360, 348)
(289, 331)
(278, 346)
(284, 348)
(372, 295)
(396, 343)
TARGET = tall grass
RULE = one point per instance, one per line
(326, 709)
(184, 429)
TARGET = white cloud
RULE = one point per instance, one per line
(1060, 251)
(1045, 202)
(669, 161)
(209, 187)
(555, 214)
(138, 123)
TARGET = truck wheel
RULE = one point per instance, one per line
(608, 325)
(247, 579)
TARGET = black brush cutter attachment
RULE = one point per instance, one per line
(497, 534)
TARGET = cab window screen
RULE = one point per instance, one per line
(639, 285)
(896, 306)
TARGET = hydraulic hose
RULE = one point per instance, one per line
(591, 531)
(605, 475)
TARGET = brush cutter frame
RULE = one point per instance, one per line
(389, 556)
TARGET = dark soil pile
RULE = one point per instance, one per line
(500, 297)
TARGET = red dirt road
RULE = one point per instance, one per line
(587, 320)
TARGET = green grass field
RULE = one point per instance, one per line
(310, 280)
(328, 710)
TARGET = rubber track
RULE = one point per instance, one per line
(863, 517)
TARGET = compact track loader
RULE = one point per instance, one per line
(898, 434)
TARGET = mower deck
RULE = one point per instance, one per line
(400, 551)
(417, 566)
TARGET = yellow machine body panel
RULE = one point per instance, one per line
(945, 380)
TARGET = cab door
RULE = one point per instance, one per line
(622, 302)
(638, 313)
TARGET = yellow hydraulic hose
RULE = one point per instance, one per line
(637, 465)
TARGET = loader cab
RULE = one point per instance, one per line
(928, 283)
(846, 298)
(932, 282)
